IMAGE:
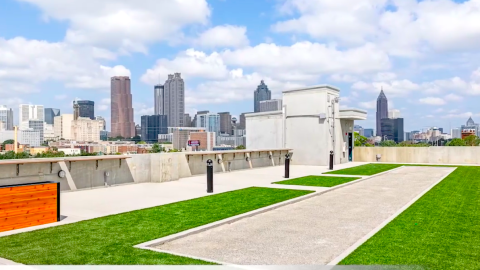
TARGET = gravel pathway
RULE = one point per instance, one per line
(314, 231)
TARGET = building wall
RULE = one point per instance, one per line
(174, 100)
(158, 92)
(63, 126)
(87, 109)
(264, 130)
(225, 122)
(427, 155)
(6, 116)
(30, 112)
(144, 168)
(86, 130)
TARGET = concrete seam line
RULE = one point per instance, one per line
(187, 256)
(364, 239)
(209, 226)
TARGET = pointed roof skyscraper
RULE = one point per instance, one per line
(382, 110)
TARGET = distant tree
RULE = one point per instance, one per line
(456, 142)
(240, 147)
(388, 143)
(472, 140)
(156, 148)
(369, 145)
(7, 142)
(173, 150)
(136, 138)
(359, 139)
(141, 142)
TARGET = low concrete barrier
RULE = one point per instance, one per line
(428, 155)
(101, 171)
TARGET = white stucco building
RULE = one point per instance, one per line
(310, 123)
(86, 130)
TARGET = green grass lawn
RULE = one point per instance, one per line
(109, 240)
(367, 169)
(439, 231)
(318, 181)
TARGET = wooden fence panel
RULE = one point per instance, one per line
(29, 205)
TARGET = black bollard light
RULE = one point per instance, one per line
(287, 166)
(209, 176)
(331, 160)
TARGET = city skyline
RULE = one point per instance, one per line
(428, 77)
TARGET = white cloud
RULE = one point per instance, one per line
(223, 36)
(199, 65)
(385, 76)
(453, 97)
(238, 86)
(391, 89)
(305, 61)
(405, 28)
(26, 63)
(432, 101)
(343, 78)
(125, 24)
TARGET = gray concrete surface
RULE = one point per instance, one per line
(452, 155)
(92, 203)
(314, 231)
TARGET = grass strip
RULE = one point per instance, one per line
(367, 169)
(439, 231)
(109, 240)
(318, 181)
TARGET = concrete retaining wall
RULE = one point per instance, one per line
(91, 172)
(430, 155)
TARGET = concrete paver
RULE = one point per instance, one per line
(313, 231)
(93, 203)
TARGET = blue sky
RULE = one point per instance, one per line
(424, 54)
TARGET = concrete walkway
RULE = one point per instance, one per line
(94, 203)
(313, 231)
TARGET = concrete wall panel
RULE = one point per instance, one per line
(428, 155)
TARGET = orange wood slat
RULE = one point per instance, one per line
(28, 218)
(28, 210)
(27, 196)
(29, 205)
(13, 206)
(29, 188)
(4, 228)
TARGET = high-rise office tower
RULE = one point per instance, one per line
(393, 114)
(382, 111)
(173, 100)
(225, 122)
(121, 107)
(28, 112)
(188, 120)
(86, 109)
(392, 129)
(262, 93)
(50, 114)
(37, 125)
(241, 124)
(6, 116)
(158, 92)
(152, 126)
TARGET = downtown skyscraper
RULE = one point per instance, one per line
(122, 123)
(382, 111)
(170, 100)
(262, 93)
